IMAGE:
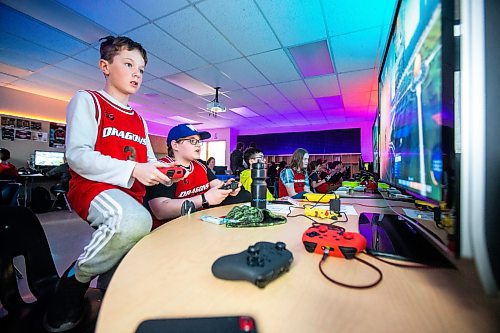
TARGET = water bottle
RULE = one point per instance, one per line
(259, 185)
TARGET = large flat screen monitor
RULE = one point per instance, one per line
(375, 136)
(48, 158)
(416, 99)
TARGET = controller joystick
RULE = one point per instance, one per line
(260, 263)
(280, 246)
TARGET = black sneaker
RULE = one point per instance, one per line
(66, 309)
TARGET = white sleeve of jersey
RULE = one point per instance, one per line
(81, 135)
(151, 154)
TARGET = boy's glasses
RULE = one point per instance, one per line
(194, 142)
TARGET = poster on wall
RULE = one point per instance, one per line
(22, 134)
(39, 136)
(23, 124)
(36, 125)
(57, 134)
(7, 133)
(8, 121)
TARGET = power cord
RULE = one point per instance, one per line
(366, 286)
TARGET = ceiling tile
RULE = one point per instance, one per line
(312, 59)
(267, 94)
(361, 99)
(242, 23)
(348, 16)
(192, 29)
(357, 50)
(323, 86)
(153, 9)
(330, 102)
(78, 67)
(17, 24)
(166, 48)
(275, 65)
(214, 78)
(62, 28)
(359, 81)
(4, 78)
(294, 89)
(287, 20)
(169, 89)
(305, 105)
(241, 71)
(283, 107)
(90, 56)
(29, 49)
(15, 59)
(244, 97)
(100, 12)
(158, 67)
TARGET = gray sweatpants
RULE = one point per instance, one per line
(120, 222)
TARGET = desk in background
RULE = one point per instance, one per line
(168, 274)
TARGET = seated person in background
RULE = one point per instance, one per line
(199, 186)
(294, 181)
(335, 173)
(317, 185)
(7, 169)
(63, 171)
(211, 164)
(252, 155)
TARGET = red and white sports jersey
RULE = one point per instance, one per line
(194, 184)
(121, 135)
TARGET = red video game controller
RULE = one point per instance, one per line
(340, 243)
(174, 172)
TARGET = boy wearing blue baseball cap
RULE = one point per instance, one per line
(199, 185)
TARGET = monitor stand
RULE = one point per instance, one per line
(392, 236)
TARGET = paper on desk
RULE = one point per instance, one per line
(418, 214)
(279, 209)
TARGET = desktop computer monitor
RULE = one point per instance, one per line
(46, 159)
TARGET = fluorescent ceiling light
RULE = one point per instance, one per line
(190, 84)
(183, 120)
(245, 112)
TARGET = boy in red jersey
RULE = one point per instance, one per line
(111, 162)
(200, 185)
(7, 169)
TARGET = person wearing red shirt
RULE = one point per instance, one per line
(7, 169)
(199, 186)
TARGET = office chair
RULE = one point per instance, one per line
(9, 193)
(21, 234)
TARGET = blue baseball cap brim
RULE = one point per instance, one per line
(183, 131)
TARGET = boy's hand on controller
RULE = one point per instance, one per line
(216, 195)
(149, 175)
(236, 191)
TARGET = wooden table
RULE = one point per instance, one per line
(168, 274)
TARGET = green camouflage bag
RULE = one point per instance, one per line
(247, 216)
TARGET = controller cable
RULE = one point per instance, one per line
(398, 264)
(314, 221)
(326, 251)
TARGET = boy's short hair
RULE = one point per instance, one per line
(111, 46)
(249, 152)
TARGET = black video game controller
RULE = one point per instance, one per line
(229, 186)
(260, 264)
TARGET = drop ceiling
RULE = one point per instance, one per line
(280, 64)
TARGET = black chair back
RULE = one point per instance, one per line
(21, 234)
(9, 193)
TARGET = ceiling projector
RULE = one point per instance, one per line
(216, 107)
